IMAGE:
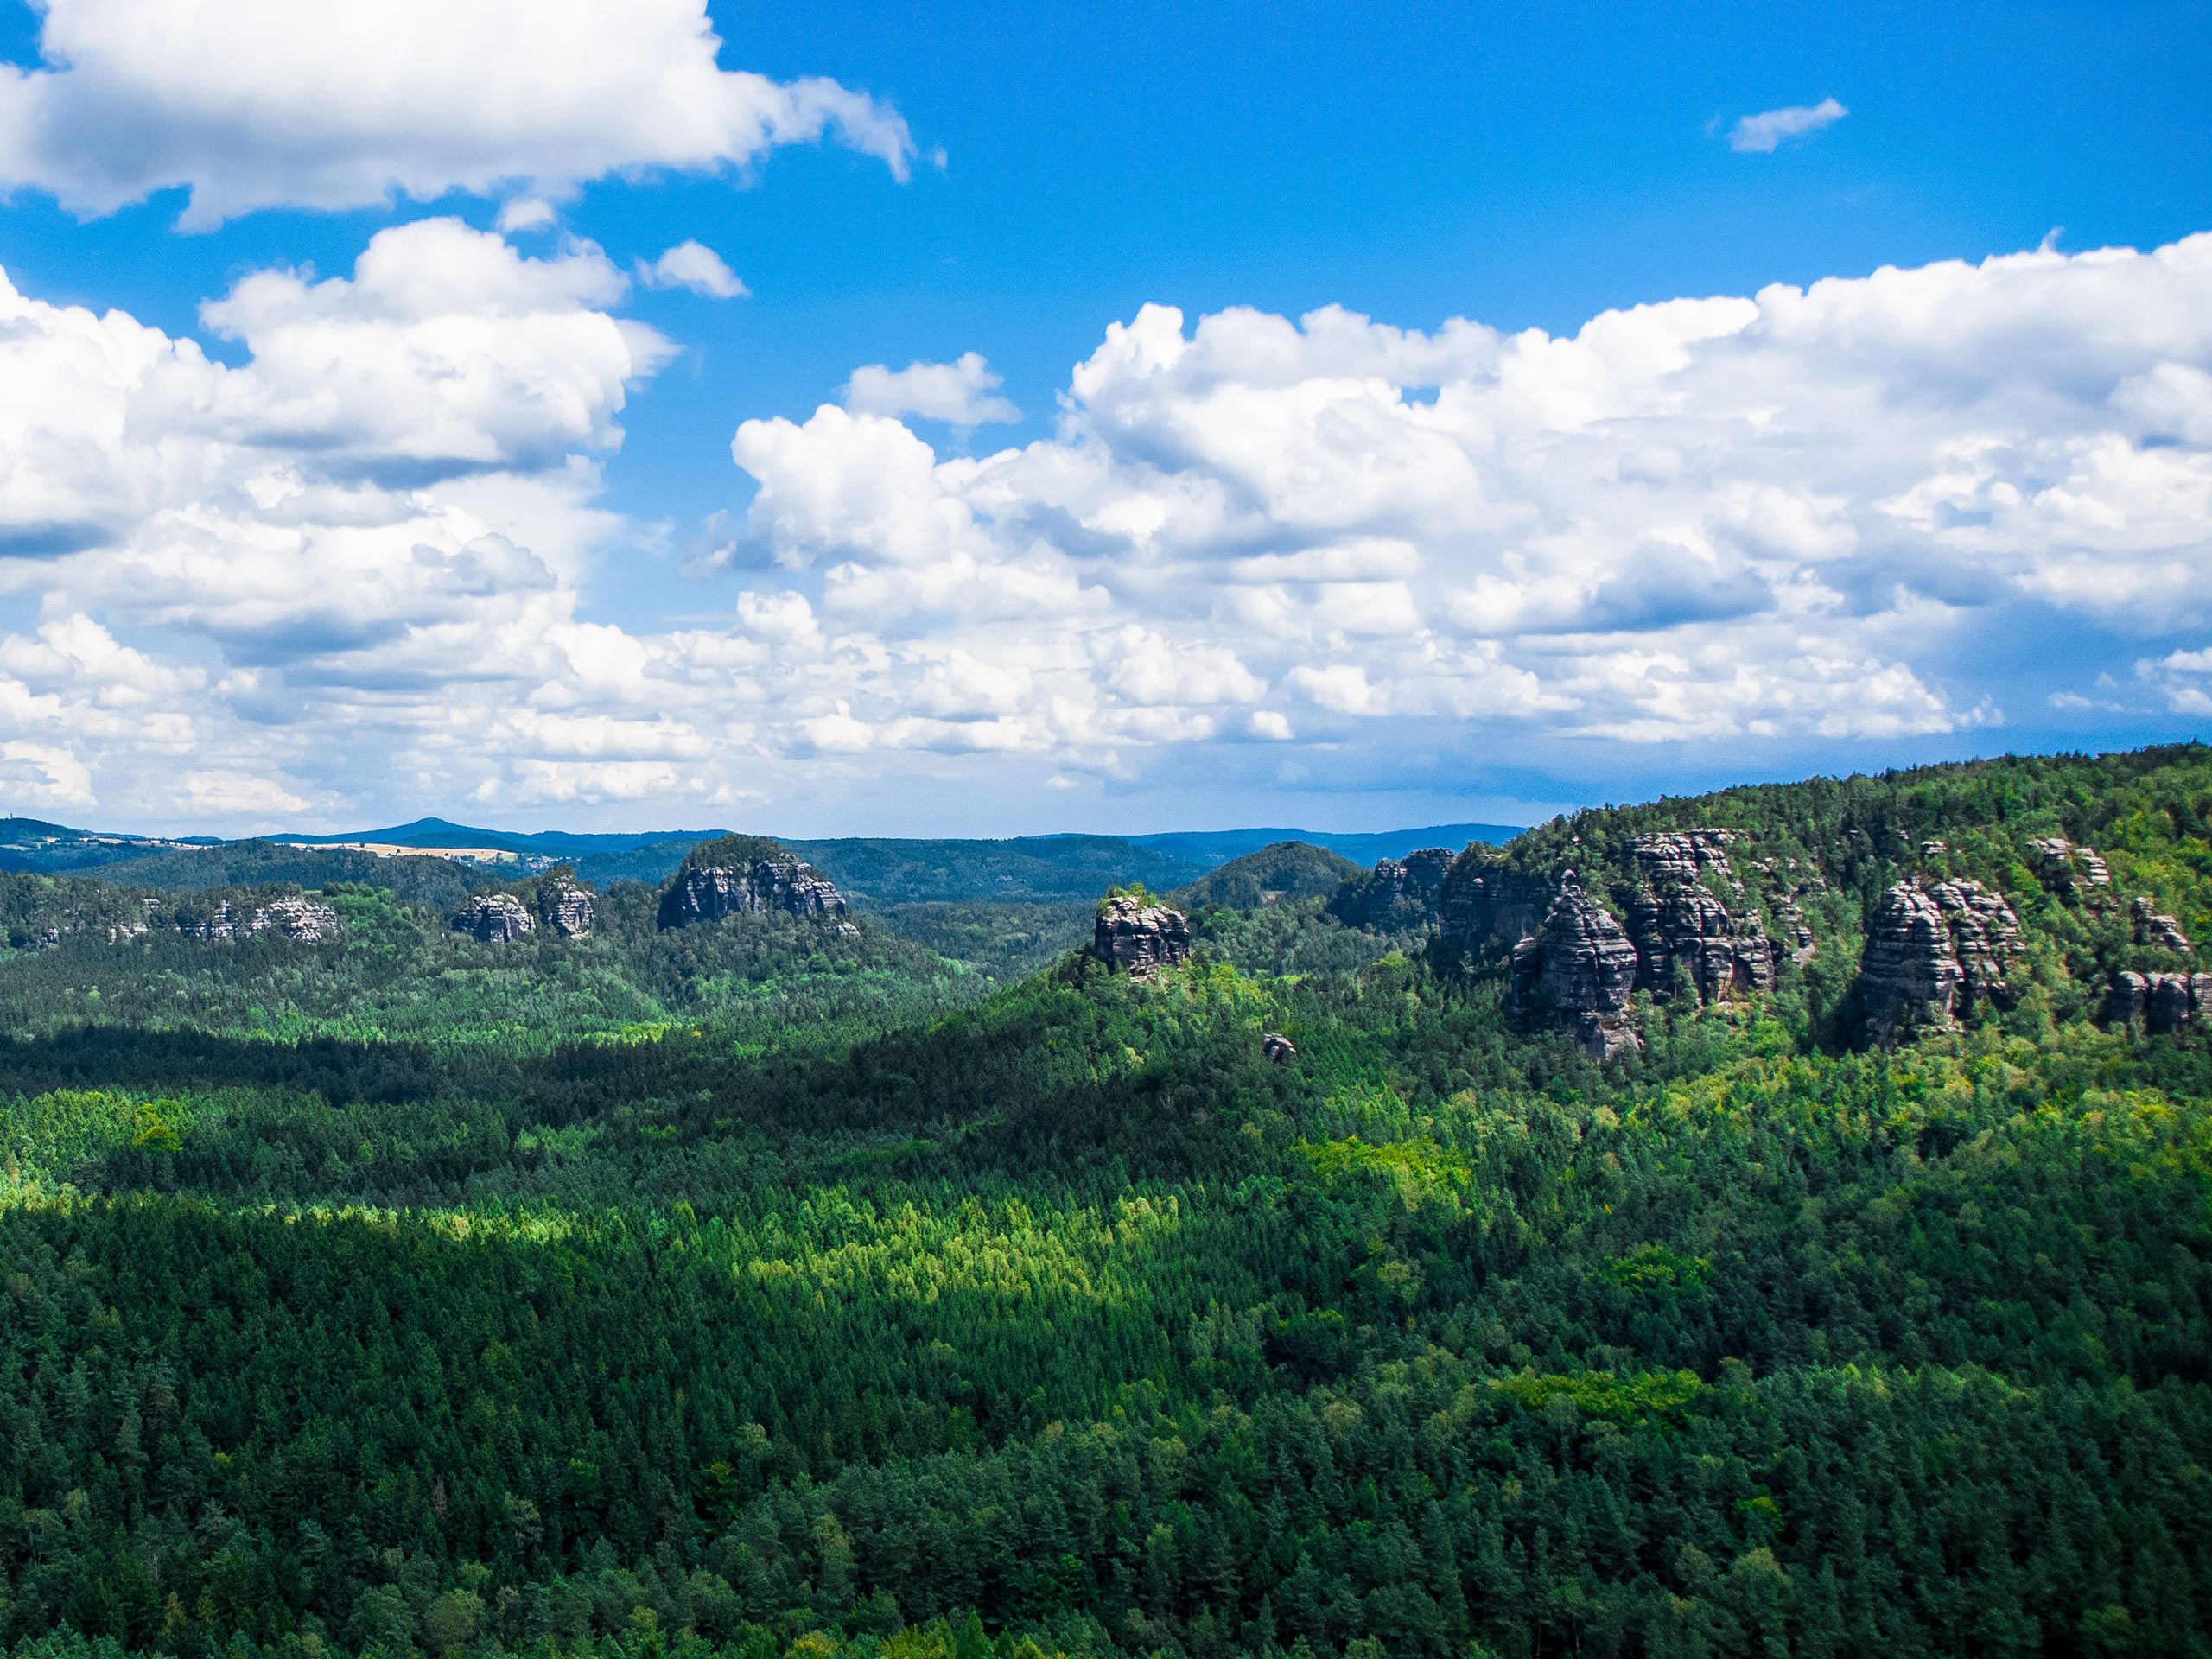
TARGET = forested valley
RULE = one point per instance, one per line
(741, 1275)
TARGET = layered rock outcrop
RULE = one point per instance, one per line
(1398, 893)
(1582, 966)
(2156, 932)
(1934, 954)
(1675, 916)
(565, 909)
(1686, 911)
(749, 886)
(1485, 899)
(494, 918)
(1140, 937)
(2163, 1003)
(301, 920)
(2066, 869)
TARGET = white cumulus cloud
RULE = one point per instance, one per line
(694, 266)
(264, 102)
(351, 567)
(1759, 134)
(957, 393)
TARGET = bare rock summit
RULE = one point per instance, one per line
(1139, 936)
(494, 918)
(746, 875)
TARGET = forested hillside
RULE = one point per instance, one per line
(1772, 1223)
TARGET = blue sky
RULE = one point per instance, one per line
(1525, 167)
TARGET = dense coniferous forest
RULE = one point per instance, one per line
(783, 1286)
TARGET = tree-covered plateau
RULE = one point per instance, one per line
(765, 1289)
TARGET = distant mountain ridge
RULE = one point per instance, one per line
(33, 844)
(1213, 848)
(876, 871)
(434, 834)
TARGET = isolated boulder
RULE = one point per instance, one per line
(1138, 937)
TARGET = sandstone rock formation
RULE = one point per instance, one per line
(1484, 898)
(301, 920)
(2066, 869)
(494, 918)
(1675, 916)
(748, 884)
(1399, 892)
(1933, 953)
(1139, 937)
(1684, 904)
(2156, 932)
(1584, 967)
(2163, 1003)
(1278, 1047)
(564, 908)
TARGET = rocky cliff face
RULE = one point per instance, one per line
(1685, 908)
(1583, 967)
(1675, 916)
(1140, 938)
(494, 918)
(2163, 1002)
(298, 920)
(301, 920)
(1400, 893)
(1934, 953)
(565, 909)
(1484, 900)
(707, 893)
(2156, 932)
(2066, 870)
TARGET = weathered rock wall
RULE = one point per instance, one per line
(1398, 893)
(494, 918)
(565, 910)
(301, 920)
(1674, 916)
(709, 892)
(1140, 938)
(1933, 954)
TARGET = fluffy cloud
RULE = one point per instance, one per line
(348, 572)
(1759, 134)
(263, 103)
(1772, 517)
(958, 393)
(695, 266)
